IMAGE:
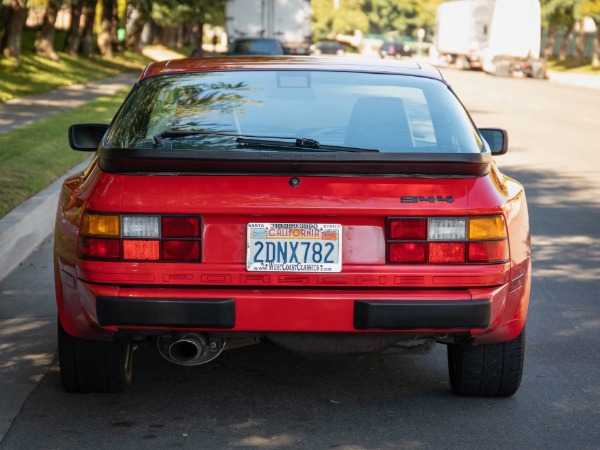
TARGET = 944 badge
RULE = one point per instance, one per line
(429, 199)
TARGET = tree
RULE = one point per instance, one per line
(348, 20)
(329, 21)
(44, 42)
(591, 8)
(11, 38)
(373, 16)
(390, 16)
(107, 36)
(88, 14)
(426, 12)
(138, 14)
(71, 45)
(558, 15)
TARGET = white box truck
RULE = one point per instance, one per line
(462, 31)
(515, 38)
(288, 21)
(500, 36)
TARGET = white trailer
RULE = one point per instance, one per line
(500, 36)
(515, 38)
(285, 20)
(462, 31)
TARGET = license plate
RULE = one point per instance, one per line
(294, 247)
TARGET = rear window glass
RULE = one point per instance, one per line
(389, 113)
(257, 47)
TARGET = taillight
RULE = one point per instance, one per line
(447, 240)
(137, 237)
(408, 229)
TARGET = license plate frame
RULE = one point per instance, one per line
(294, 247)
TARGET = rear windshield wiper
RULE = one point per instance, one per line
(302, 143)
(270, 141)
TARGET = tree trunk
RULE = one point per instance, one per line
(564, 47)
(4, 13)
(88, 46)
(44, 42)
(11, 39)
(580, 44)
(551, 39)
(135, 26)
(72, 40)
(596, 58)
(167, 36)
(106, 39)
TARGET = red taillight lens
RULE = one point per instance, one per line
(180, 227)
(407, 252)
(99, 248)
(141, 250)
(177, 250)
(408, 229)
(446, 252)
(491, 251)
(140, 237)
(448, 240)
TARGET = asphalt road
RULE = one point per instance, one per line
(261, 397)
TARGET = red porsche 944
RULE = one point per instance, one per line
(329, 206)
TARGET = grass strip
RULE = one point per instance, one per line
(35, 155)
(569, 66)
(34, 73)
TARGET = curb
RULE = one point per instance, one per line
(580, 80)
(25, 227)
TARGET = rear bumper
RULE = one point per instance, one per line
(410, 315)
(97, 311)
(221, 313)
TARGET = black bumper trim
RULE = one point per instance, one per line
(166, 312)
(419, 315)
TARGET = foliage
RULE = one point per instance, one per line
(373, 16)
(388, 16)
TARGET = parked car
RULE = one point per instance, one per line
(331, 47)
(332, 208)
(395, 50)
(256, 46)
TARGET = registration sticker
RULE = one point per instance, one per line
(294, 247)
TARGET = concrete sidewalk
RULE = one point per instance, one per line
(26, 110)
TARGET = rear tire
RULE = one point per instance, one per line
(93, 366)
(491, 370)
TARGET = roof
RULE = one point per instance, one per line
(211, 64)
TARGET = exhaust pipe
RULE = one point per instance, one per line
(189, 349)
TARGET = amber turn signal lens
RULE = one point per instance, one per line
(487, 228)
(101, 225)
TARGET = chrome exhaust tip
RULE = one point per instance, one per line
(189, 349)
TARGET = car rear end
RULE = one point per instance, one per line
(376, 236)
